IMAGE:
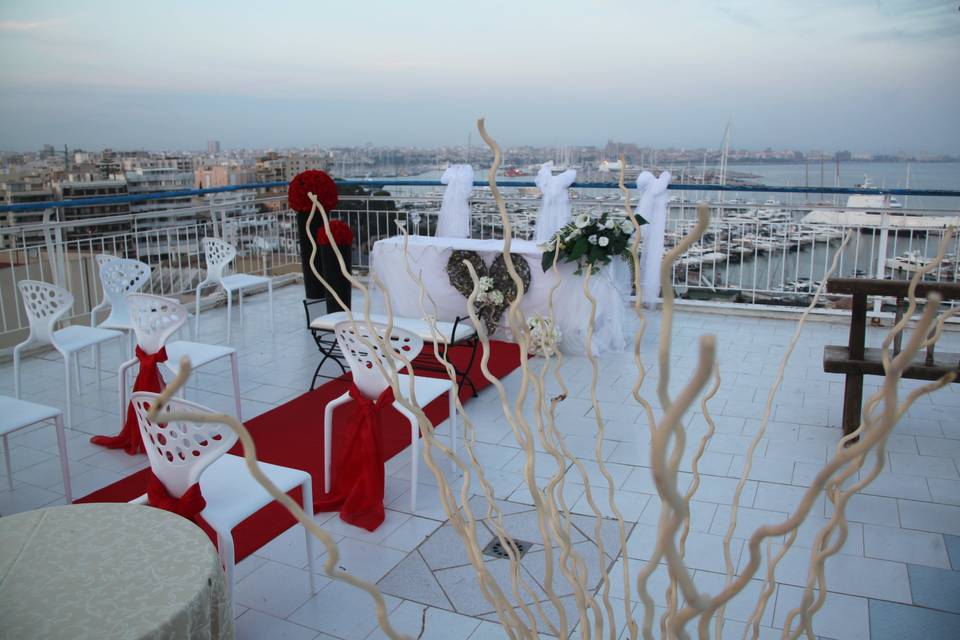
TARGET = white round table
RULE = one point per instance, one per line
(109, 571)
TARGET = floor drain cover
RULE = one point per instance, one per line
(496, 550)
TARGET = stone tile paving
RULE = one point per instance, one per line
(895, 577)
(891, 621)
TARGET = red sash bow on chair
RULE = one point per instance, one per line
(358, 469)
(148, 379)
(189, 505)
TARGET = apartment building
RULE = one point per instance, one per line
(87, 187)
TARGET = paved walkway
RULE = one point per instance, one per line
(896, 576)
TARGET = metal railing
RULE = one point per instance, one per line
(172, 246)
(752, 252)
(757, 253)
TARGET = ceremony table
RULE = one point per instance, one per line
(427, 257)
(109, 571)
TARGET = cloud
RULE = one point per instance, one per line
(924, 9)
(922, 35)
(743, 18)
(28, 25)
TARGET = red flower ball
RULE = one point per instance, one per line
(316, 182)
(342, 234)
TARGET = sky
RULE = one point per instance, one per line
(864, 75)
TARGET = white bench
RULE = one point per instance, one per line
(459, 332)
(449, 332)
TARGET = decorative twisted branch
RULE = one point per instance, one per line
(668, 442)
(250, 457)
(762, 430)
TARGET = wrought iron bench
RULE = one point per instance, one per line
(460, 332)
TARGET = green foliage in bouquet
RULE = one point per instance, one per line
(591, 239)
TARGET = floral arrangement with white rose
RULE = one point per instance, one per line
(487, 294)
(544, 335)
(591, 239)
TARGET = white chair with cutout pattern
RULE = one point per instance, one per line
(155, 319)
(118, 277)
(219, 255)
(45, 304)
(183, 453)
(371, 383)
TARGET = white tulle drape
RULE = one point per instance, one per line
(555, 207)
(653, 209)
(427, 257)
(454, 219)
(571, 308)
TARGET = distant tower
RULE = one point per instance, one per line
(213, 147)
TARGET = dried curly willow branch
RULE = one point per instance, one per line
(674, 508)
(551, 530)
(250, 456)
(466, 530)
(822, 548)
(668, 440)
(873, 438)
(751, 449)
(493, 509)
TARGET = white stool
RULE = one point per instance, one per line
(17, 414)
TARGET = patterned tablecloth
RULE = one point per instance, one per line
(109, 571)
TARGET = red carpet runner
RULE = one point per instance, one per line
(292, 435)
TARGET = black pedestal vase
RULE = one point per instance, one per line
(312, 286)
(334, 276)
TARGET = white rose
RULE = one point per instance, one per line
(609, 224)
(592, 239)
(626, 226)
(582, 220)
(603, 241)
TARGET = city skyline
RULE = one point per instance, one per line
(870, 76)
(213, 151)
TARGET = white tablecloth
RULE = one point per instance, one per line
(103, 571)
(428, 257)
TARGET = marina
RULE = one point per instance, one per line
(767, 250)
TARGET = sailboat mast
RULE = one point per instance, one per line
(836, 182)
(723, 159)
(703, 174)
(906, 198)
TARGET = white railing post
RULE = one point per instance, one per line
(53, 239)
(882, 254)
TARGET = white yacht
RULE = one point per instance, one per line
(909, 261)
(865, 211)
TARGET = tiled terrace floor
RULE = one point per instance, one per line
(896, 577)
